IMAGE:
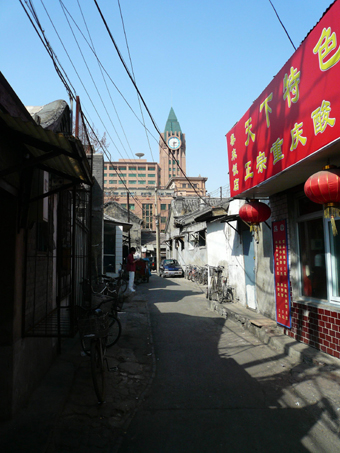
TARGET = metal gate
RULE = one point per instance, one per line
(56, 263)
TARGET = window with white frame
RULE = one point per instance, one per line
(333, 258)
(319, 253)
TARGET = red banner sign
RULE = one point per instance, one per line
(297, 114)
(281, 273)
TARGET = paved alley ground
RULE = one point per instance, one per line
(217, 388)
(185, 380)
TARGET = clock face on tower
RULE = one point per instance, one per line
(174, 142)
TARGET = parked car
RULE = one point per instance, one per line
(170, 268)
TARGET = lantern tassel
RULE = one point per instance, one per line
(331, 212)
(334, 229)
(255, 228)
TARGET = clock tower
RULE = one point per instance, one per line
(173, 152)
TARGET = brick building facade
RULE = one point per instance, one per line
(288, 136)
(315, 319)
(132, 182)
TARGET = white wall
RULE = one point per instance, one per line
(119, 247)
(224, 248)
(190, 255)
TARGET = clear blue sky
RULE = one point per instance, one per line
(207, 60)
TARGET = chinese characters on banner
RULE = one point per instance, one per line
(297, 114)
(281, 273)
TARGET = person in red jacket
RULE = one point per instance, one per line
(131, 267)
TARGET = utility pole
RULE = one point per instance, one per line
(76, 131)
(128, 208)
(158, 254)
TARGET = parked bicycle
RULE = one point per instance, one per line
(218, 289)
(193, 275)
(204, 275)
(105, 285)
(187, 271)
(198, 274)
(201, 275)
(110, 305)
(93, 330)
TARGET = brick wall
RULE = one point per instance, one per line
(317, 327)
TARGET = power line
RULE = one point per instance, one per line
(74, 97)
(94, 83)
(282, 25)
(143, 101)
(105, 151)
(86, 90)
(55, 61)
(109, 77)
(77, 73)
(102, 68)
(134, 78)
(57, 66)
(107, 88)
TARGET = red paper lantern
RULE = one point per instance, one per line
(324, 188)
(254, 212)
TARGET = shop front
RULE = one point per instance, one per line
(276, 152)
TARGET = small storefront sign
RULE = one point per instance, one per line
(296, 115)
(281, 273)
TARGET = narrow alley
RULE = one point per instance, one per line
(218, 388)
(183, 379)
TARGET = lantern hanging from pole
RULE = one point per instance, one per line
(324, 188)
(254, 212)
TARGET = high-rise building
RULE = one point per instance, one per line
(132, 182)
(172, 150)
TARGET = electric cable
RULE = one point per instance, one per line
(72, 95)
(99, 63)
(169, 152)
(134, 78)
(57, 66)
(282, 25)
(105, 151)
(80, 79)
(102, 73)
(94, 83)
(109, 77)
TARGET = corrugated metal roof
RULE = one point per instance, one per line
(56, 153)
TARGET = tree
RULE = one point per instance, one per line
(98, 144)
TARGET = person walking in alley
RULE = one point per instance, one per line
(131, 268)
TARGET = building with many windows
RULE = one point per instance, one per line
(132, 182)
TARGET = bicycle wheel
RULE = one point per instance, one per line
(98, 286)
(86, 345)
(115, 330)
(123, 285)
(220, 295)
(112, 288)
(212, 289)
(97, 369)
(229, 295)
